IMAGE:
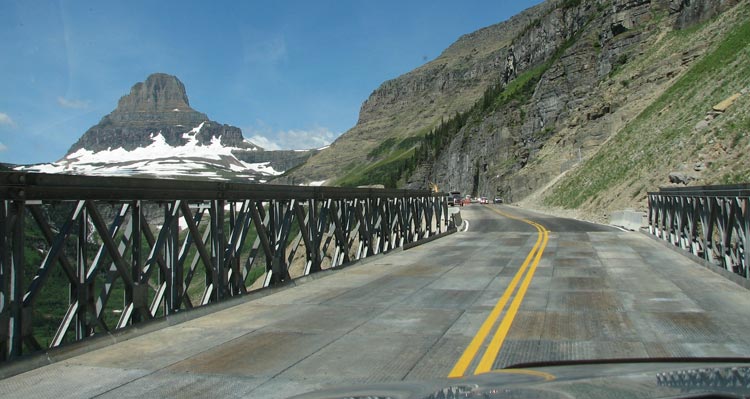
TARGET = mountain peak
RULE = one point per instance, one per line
(158, 105)
(160, 99)
(154, 132)
(159, 93)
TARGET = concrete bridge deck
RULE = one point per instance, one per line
(581, 291)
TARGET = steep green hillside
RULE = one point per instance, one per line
(616, 111)
(586, 104)
(406, 155)
(672, 132)
(414, 103)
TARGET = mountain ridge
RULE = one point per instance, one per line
(154, 132)
(569, 80)
(159, 104)
(415, 102)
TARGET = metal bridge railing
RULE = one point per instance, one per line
(82, 255)
(712, 222)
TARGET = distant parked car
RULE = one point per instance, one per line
(498, 200)
(455, 199)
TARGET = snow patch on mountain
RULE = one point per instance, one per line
(212, 161)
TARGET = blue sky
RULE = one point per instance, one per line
(290, 74)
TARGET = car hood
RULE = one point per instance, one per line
(633, 379)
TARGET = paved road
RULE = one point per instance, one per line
(568, 290)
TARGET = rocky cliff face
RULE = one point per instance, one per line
(160, 104)
(155, 132)
(534, 100)
(575, 94)
(575, 48)
(416, 102)
(603, 63)
(696, 11)
(413, 103)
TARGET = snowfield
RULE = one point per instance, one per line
(213, 161)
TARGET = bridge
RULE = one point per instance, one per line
(510, 287)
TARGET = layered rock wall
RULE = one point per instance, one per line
(691, 12)
(157, 106)
(575, 101)
(415, 102)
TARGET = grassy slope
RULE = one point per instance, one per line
(390, 171)
(663, 135)
(417, 111)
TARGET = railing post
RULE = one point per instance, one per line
(311, 229)
(78, 292)
(274, 234)
(218, 277)
(318, 223)
(6, 269)
(15, 283)
(238, 222)
(381, 224)
(174, 277)
(402, 211)
(6, 243)
(136, 257)
(416, 212)
(745, 234)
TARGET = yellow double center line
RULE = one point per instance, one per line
(493, 348)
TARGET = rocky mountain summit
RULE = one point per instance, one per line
(160, 104)
(154, 132)
(583, 104)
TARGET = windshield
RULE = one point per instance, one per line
(293, 196)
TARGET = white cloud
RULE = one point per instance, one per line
(264, 142)
(74, 104)
(3, 147)
(305, 139)
(293, 139)
(5, 120)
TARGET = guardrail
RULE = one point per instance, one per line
(712, 222)
(81, 256)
